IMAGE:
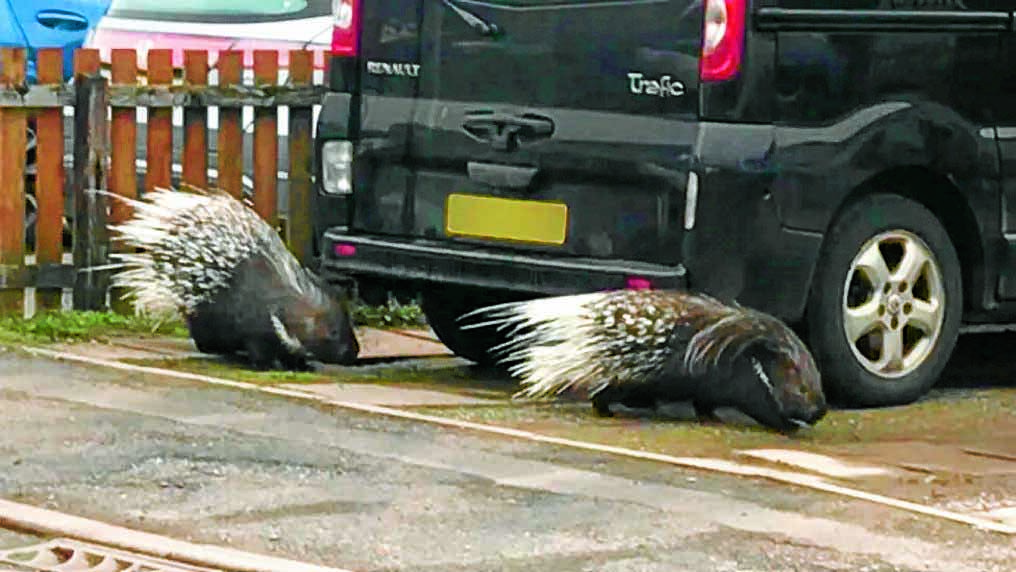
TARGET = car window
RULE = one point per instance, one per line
(232, 11)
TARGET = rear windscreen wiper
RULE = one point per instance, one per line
(475, 22)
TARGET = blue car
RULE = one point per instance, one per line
(36, 24)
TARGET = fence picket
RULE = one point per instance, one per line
(49, 179)
(195, 120)
(266, 140)
(12, 181)
(124, 149)
(229, 158)
(159, 150)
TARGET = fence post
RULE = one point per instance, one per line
(49, 180)
(123, 164)
(91, 149)
(12, 182)
(301, 72)
(266, 140)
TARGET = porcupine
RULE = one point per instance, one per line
(640, 347)
(209, 257)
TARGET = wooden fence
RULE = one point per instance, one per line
(105, 152)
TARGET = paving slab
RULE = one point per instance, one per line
(1003, 515)
(817, 463)
(376, 343)
(119, 352)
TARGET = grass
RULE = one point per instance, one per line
(50, 327)
(75, 326)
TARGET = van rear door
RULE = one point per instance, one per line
(558, 125)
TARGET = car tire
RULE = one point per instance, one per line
(885, 306)
(443, 307)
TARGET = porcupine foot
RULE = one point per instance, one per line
(294, 362)
(632, 399)
(706, 413)
(601, 404)
(259, 354)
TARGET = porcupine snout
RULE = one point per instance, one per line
(778, 391)
(801, 407)
(798, 388)
(328, 332)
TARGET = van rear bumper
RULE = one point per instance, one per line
(443, 262)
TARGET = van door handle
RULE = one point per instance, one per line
(62, 20)
(506, 131)
(533, 126)
(502, 176)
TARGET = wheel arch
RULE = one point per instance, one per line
(946, 201)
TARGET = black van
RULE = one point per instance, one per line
(848, 166)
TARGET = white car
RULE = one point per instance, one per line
(216, 25)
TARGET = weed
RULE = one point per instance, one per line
(78, 326)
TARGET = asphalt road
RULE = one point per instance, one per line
(274, 475)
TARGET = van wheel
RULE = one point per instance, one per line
(443, 308)
(885, 306)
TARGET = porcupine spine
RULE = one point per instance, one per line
(592, 341)
(212, 259)
(191, 242)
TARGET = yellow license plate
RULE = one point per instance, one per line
(541, 222)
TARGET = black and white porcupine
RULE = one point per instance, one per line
(209, 257)
(640, 347)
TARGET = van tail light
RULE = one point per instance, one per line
(722, 40)
(346, 30)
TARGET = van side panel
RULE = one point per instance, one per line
(862, 92)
